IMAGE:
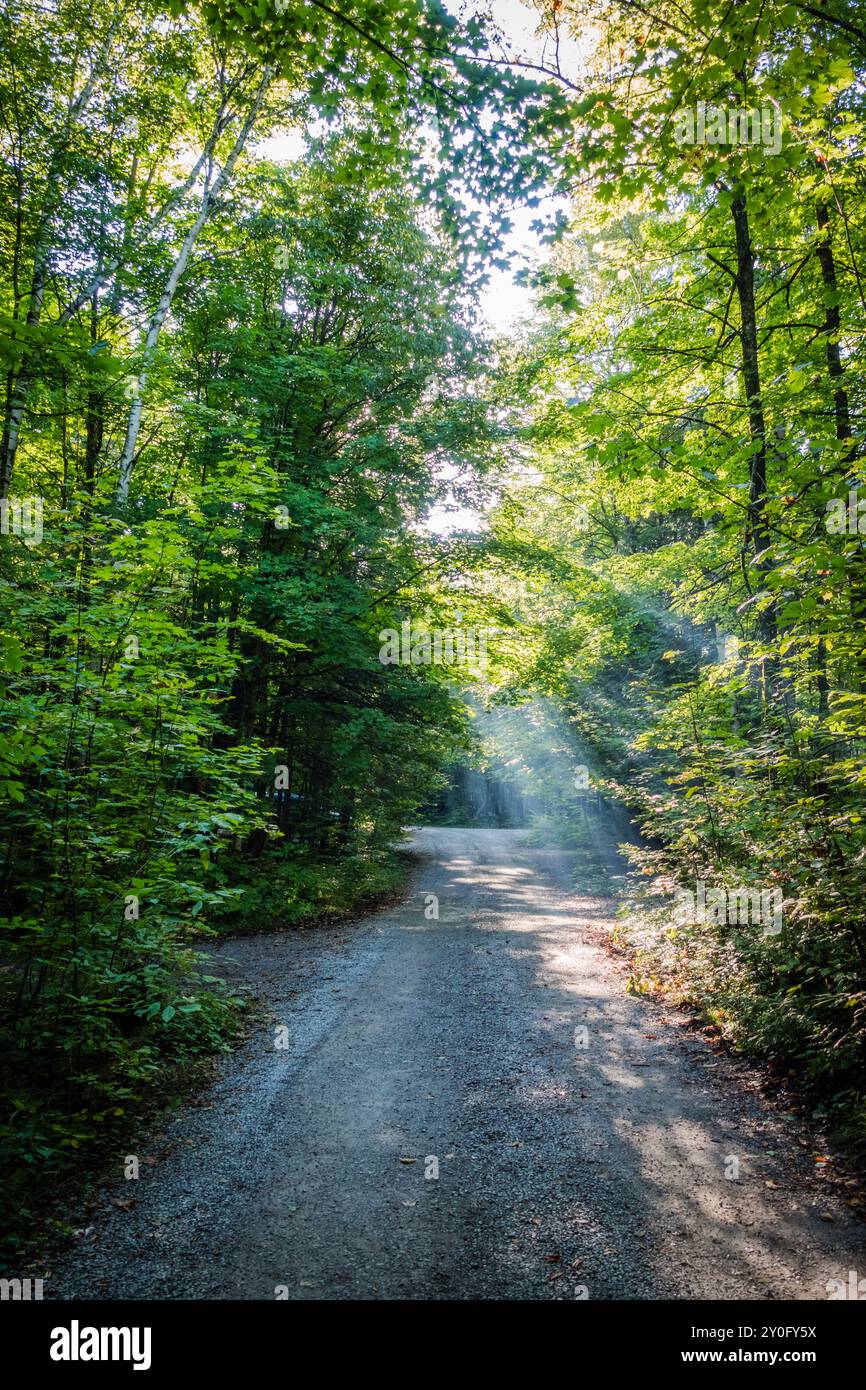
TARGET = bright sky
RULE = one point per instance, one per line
(503, 302)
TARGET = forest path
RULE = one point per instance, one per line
(560, 1169)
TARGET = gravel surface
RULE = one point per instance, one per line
(563, 1171)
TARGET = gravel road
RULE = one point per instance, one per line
(564, 1171)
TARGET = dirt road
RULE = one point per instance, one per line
(564, 1171)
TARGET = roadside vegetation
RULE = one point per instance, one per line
(243, 364)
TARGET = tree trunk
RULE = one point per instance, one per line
(745, 281)
(23, 379)
(209, 197)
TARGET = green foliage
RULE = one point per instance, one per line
(237, 386)
(198, 733)
(691, 401)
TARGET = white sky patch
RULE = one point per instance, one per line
(444, 520)
(450, 515)
(503, 302)
(283, 148)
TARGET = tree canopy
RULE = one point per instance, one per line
(245, 246)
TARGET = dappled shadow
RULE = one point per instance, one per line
(560, 1168)
(693, 1187)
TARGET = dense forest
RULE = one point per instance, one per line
(246, 367)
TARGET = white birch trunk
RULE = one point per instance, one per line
(209, 197)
